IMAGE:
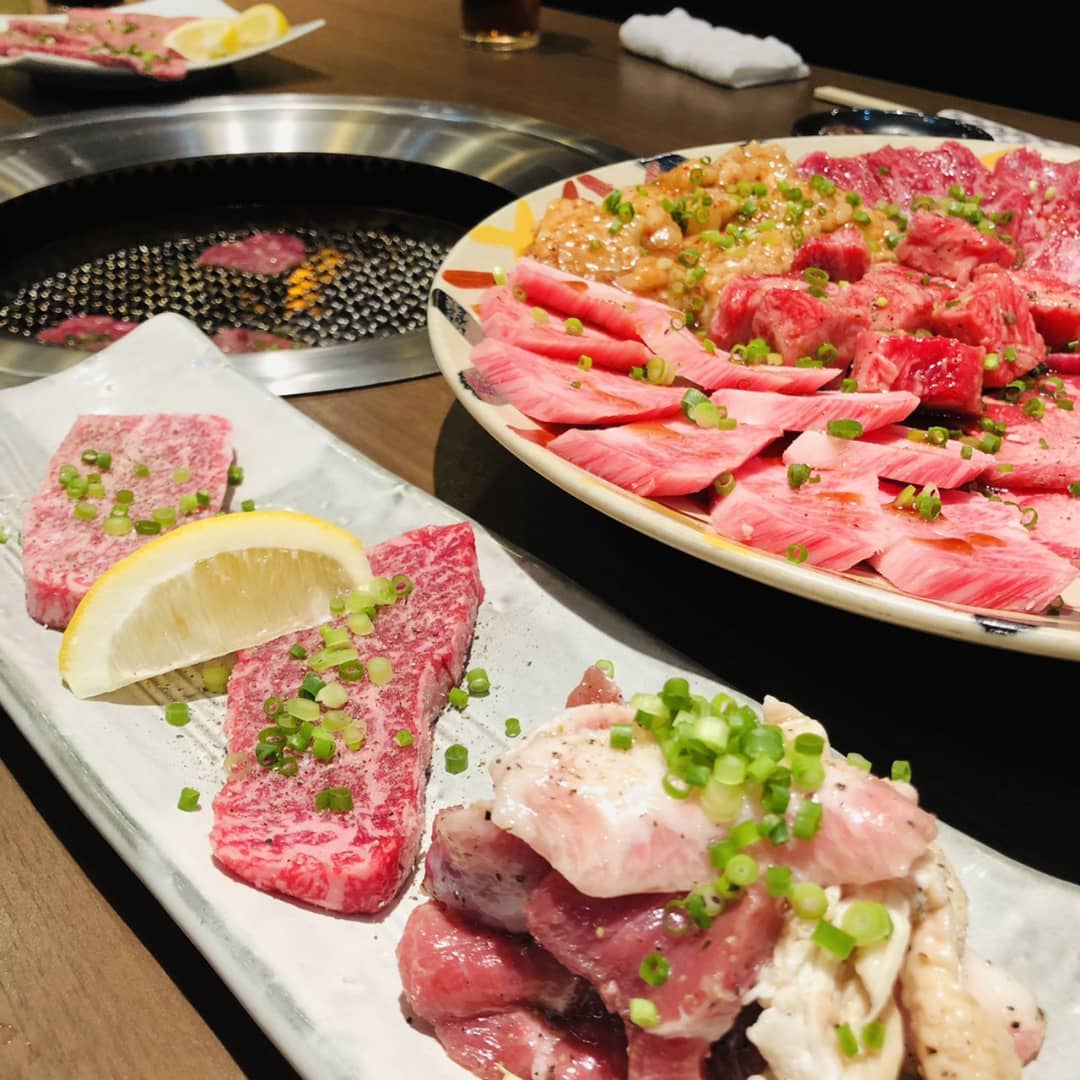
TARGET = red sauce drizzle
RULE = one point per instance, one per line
(469, 279)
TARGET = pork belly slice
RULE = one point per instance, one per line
(663, 457)
(842, 254)
(63, 555)
(812, 412)
(516, 322)
(453, 969)
(837, 520)
(602, 819)
(993, 312)
(477, 868)
(266, 828)
(559, 393)
(943, 373)
(1041, 453)
(1054, 305)
(976, 553)
(796, 324)
(890, 453)
(605, 940)
(526, 1043)
(950, 247)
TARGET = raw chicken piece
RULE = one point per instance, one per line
(952, 1034)
(477, 868)
(605, 941)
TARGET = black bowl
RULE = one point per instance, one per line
(880, 122)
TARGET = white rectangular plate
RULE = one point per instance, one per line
(61, 66)
(333, 1006)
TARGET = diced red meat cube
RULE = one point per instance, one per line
(796, 324)
(898, 298)
(950, 247)
(993, 312)
(843, 254)
(1054, 304)
(944, 373)
(733, 320)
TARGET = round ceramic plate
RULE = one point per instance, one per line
(453, 329)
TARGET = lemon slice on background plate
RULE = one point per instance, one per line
(260, 25)
(204, 39)
(204, 590)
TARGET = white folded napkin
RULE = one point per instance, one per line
(713, 52)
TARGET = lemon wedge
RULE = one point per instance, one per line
(204, 39)
(204, 590)
(260, 25)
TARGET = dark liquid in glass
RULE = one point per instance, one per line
(501, 24)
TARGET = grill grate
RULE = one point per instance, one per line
(379, 286)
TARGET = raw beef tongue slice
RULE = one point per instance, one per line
(266, 828)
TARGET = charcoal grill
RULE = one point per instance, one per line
(107, 214)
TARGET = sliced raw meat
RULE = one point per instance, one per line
(993, 312)
(451, 969)
(1058, 523)
(733, 320)
(266, 828)
(1054, 305)
(602, 305)
(1042, 452)
(896, 175)
(950, 247)
(63, 555)
(267, 254)
(113, 39)
(796, 324)
(595, 688)
(558, 393)
(724, 373)
(976, 554)
(89, 332)
(477, 868)
(837, 521)
(516, 322)
(812, 412)
(890, 453)
(943, 373)
(653, 1057)
(605, 941)
(252, 341)
(1064, 362)
(843, 254)
(526, 1044)
(897, 298)
(664, 457)
(600, 817)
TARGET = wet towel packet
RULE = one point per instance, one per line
(716, 53)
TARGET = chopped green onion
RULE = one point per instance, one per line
(350, 670)
(77, 488)
(337, 799)
(810, 744)
(692, 397)
(459, 698)
(1035, 408)
(844, 429)
(807, 820)
(360, 624)
(323, 746)
(142, 470)
(67, 474)
(861, 217)
(404, 738)
(235, 475)
(796, 553)
(808, 900)
(247, 505)
(659, 372)
(457, 758)
(177, 714)
(643, 1013)
(832, 939)
(333, 695)
(124, 496)
(215, 678)
(360, 602)
(189, 800)
(853, 198)
(797, 475)
(288, 767)
(742, 870)
(654, 969)
(867, 923)
(89, 457)
(845, 1038)
(584, 362)
(380, 670)
(354, 734)
(901, 770)
(859, 762)
(807, 773)
(117, 525)
(607, 667)
(85, 511)
(778, 881)
(164, 515)
(334, 636)
(202, 497)
(724, 484)
(188, 504)
(328, 658)
(302, 709)
(991, 361)
(622, 736)
(273, 706)
(311, 686)
(574, 326)
(478, 682)
(512, 727)
(335, 719)
(95, 490)
(873, 1035)
(298, 652)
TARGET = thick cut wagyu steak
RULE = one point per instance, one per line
(157, 461)
(267, 829)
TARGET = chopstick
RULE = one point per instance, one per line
(836, 95)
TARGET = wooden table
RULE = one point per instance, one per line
(95, 980)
